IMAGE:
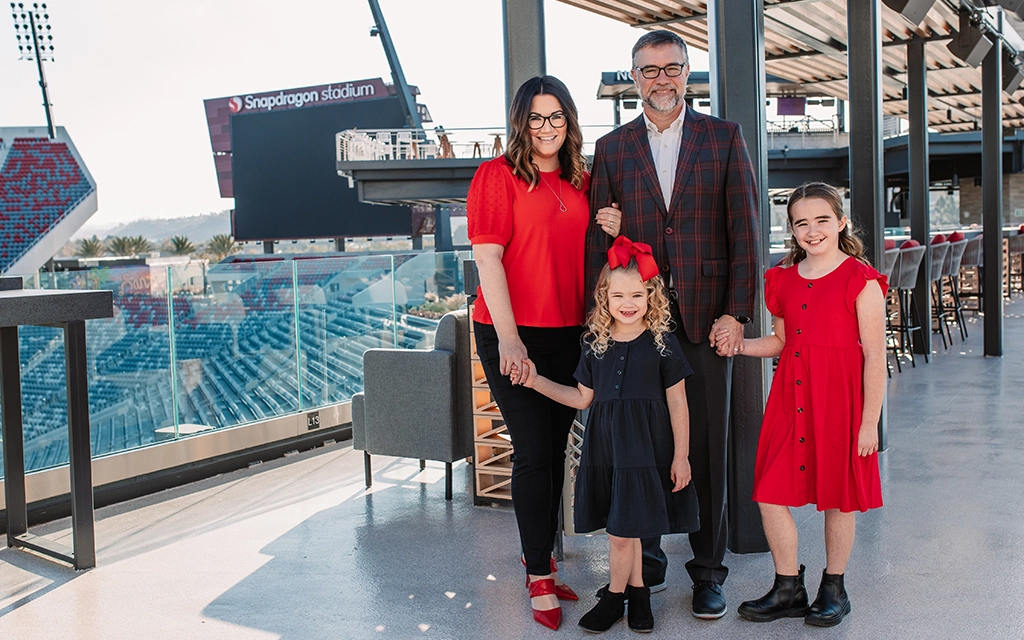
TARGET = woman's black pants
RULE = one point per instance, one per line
(539, 429)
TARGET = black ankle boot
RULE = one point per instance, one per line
(786, 599)
(832, 603)
(608, 610)
(641, 618)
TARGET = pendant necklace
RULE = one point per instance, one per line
(561, 205)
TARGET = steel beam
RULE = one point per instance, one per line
(920, 227)
(992, 197)
(736, 47)
(523, 24)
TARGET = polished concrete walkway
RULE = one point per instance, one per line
(295, 548)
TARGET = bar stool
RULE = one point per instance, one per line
(951, 274)
(1015, 251)
(889, 260)
(937, 250)
(973, 259)
(904, 281)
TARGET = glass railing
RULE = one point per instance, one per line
(192, 348)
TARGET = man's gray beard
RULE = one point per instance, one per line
(675, 103)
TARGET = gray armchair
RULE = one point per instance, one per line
(417, 403)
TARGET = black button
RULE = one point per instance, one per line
(622, 357)
(668, 231)
(798, 332)
(664, 268)
(798, 383)
(620, 373)
(803, 306)
(616, 386)
(801, 439)
(800, 410)
(797, 354)
(810, 285)
(801, 467)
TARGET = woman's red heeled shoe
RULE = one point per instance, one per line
(562, 591)
(550, 618)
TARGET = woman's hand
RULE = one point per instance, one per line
(867, 440)
(680, 473)
(610, 219)
(511, 351)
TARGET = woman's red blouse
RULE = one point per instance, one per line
(544, 246)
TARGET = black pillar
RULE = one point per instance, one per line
(268, 246)
(920, 228)
(992, 197)
(523, 22)
(736, 47)
(443, 229)
(339, 244)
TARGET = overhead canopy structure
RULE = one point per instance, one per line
(806, 44)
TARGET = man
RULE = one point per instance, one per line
(682, 182)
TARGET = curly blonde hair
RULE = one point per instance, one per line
(600, 321)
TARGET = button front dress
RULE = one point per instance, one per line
(807, 451)
(624, 481)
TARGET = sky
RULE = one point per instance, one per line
(129, 78)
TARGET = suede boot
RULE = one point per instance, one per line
(832, 603)
(608, 610)
(640, 618)
(786, 599)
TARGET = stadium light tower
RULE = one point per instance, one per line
(35, 42)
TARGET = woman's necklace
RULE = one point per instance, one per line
(561, 205)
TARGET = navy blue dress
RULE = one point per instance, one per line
(624, 481)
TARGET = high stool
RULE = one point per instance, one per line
(972, 271)
(937, 251)
(1015, 251)
(904, 281)
(951, 275)
(889, 261)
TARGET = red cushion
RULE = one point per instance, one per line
(956, 236)
(1021, 230)
(910, 243)
(938, 239)
(890, 243)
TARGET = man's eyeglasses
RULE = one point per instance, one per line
(671, 70)
(536, 121)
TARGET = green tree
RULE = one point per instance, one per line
(221, 246)
(182, 246)
(91, 247)
(120, 246)
(140, 245)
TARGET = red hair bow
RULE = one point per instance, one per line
(624, 249)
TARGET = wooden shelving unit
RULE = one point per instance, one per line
(492, 448)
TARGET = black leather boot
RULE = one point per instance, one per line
(640, 618)
(786, 599)
(608, 610)
(832, 603)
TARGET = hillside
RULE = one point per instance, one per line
(198, 229)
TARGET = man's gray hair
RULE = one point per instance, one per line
(660, 38)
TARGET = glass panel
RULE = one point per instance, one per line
(346, 306)
(428, 285)
(234, 341)
(44, 404)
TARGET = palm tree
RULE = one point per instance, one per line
(181, 246)
(91, 247)
(221, 246)
(140, 245)
(120, 246)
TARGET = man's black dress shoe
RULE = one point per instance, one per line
(708, 600)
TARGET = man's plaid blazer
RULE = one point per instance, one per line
(707, 236)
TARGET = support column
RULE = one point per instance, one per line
(339, 244)
(736, 48)
(523, 23)
(867, 177)
(992, 197)
(268, 246)
(920, 210)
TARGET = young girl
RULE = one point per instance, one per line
(634, 476)
(819, 438)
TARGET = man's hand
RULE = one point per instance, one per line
(727, 336)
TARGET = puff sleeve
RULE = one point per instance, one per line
(862, 274)
(490, 202)
(674, 366)
(771, 291)
(584, 373)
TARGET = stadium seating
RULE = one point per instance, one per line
(40, 183)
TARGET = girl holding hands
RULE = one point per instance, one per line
(819, 438)
(634, 475)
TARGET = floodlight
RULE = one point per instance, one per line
(970, 44)
(912, 10)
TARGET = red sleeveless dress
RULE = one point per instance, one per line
(807, 451)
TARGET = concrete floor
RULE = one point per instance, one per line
(297, 549)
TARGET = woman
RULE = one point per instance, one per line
(528, 216)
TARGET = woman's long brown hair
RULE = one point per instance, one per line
(519, 151)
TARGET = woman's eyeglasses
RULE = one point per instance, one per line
(536, 121)
(651, 72)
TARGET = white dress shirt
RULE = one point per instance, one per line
(665, 150)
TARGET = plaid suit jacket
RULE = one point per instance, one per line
(706, 237)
